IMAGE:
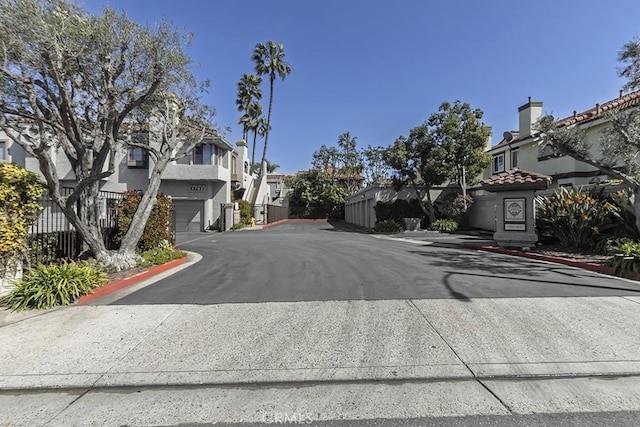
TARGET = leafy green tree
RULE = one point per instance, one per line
(269, 60)
(351, 162)
(326, 159)
(375, 168)
(315, 189)
(619, 142)
(342, 164)
(418, 161)
(77, 85)
(461, 138)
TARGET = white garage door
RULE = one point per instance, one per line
(189, 215)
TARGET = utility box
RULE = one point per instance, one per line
(227, 210)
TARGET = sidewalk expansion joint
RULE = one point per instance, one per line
(453, 350)
(311, 383)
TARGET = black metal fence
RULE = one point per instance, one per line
(52, 237)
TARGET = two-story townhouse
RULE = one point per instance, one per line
(198, 183)
(523, 148)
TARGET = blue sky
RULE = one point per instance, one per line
(378, 68)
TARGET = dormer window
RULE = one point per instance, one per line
(498, 163)
(138, 158)
(514, 158)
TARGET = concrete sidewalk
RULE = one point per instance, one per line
(488, 352)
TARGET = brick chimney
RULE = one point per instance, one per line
(528, 115)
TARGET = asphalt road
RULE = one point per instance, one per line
(317, 261)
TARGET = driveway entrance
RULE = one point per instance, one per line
(319, 261)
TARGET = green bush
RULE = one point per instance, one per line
(445, 225)
(397, 210)
(625, 256)
(160, 255)
(156, 230)
(245, 211)
(575, 217)
(238, 226)
(42, 248)
(388, 226)
(452, 206)
(46, 286)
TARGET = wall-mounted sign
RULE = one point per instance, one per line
(196, 188)
(514, 210)
(514, 227)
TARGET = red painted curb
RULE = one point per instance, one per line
(598, 268)
(112, 287)
(282, 221)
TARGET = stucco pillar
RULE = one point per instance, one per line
(515, 206)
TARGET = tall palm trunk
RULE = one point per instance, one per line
(253, 152)
(266, 135)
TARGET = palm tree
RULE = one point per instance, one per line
(248, 91)
(254, 115)
(269, 59)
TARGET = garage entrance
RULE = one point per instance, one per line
(189, 215)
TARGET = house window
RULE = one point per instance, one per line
(498, 163)
(3, 151)
(138, 158)
(202, 155)
(514, 158)
(219, 154)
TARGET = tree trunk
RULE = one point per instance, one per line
(636, 205)
(266, 134)
(253, 153)
(127, 254)
(427, 208)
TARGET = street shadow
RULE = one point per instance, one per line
(340, 226)
(472, 263)
(455, 294)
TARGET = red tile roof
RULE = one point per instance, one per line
(621, 103)
(516, 179)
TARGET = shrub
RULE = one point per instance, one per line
(573, 216)
(453, 207)
(397, 210)
(445, 225)
(238, 226)
(20, 191)
(46, 286)
(388, 226)
(156, 230)
(42, 248)
(625, 256)
(160, 255)
(245, 211)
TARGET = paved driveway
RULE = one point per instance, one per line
(320, 262)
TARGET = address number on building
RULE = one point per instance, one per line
(196, 188)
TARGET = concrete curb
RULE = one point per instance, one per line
(283, 221)
(119, 284)
(598, 268)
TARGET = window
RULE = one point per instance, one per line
(202, 155)
(514, 158)
(498, 163)
(3, 151)
(219, 154)
(138, 158)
